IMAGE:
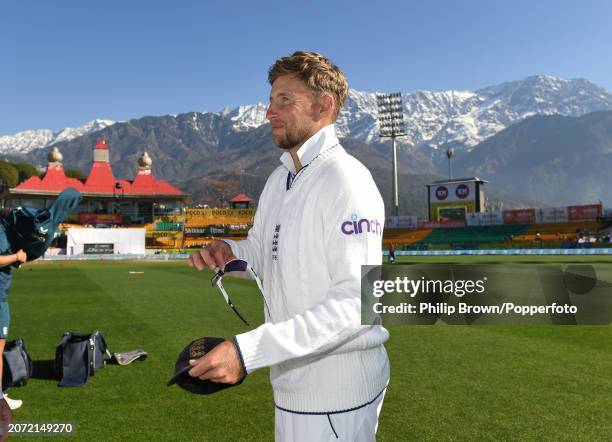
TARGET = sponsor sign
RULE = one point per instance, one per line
(100, 218)
(441, 193)
(163, 234)
(441, 224)
(449, 192)
(99, 249)
(205, 217)
(206, 231)
(552, 215)
(357, 226)
(402, 222)
(462, 191)
(491, 218)
(519, 216)
(587, 212)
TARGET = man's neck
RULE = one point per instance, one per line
(296, 159)
(294, 150)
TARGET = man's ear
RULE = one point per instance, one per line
(325, 106)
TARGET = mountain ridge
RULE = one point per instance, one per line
(454, 118)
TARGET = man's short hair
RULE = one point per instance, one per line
(317, 72)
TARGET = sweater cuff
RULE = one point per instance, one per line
(251, 351)
(236, 249)
(240, 355)
(232, 245)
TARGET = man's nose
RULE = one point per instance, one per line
(271, 112)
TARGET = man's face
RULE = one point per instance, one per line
(292, 112)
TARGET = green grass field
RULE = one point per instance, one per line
(447, 382)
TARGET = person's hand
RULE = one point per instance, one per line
(221, 364)
(7, 417)
(213, 256)
(21, 256)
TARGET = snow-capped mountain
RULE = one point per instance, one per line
(466, 118)
(246, 117)
(29, 140)
(460, 119)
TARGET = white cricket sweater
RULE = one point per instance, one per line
(308, 243)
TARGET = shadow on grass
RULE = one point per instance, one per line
(44, 370)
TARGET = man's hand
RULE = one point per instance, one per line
(7, 417)
(21, 256)
(221, 364)
(213, 256)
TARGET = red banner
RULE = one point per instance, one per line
(520, 216)
(100, 218)
(586, 212)
(440, 225)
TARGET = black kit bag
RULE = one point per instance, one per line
(18, 365)
(77, 356)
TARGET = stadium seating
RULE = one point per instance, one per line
(404, 236)
(557, 231)
(471, 235)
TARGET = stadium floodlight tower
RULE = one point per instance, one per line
(391, 121)
(449, 155)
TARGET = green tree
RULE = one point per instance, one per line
(9, 177)
(25, 171)
(75, 173)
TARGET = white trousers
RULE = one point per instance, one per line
(358, 425)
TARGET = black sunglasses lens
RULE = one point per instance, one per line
(237, 265)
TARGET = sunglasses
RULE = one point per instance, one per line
(236, 267)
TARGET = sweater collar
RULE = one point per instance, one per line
(321, 141)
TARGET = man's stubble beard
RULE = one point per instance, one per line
(294, 138)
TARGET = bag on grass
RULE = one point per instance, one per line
(77, 356)
(17, 365)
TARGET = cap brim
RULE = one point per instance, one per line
(178, 375)
(192, 384)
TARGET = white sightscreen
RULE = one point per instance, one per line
(116, 241)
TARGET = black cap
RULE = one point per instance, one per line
(195, 350)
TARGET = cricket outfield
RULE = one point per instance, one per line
(447, 382)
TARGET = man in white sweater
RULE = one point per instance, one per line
(320, 217)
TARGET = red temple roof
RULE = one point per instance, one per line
(101, 145)
(241, 198)
(100, 181)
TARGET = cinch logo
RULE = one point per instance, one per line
(462, 191)
(441, 193)
(357, 226)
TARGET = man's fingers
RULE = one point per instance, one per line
(199, 367)
(219, 258)
(213, 373)
(213, 256)
(220, 365)
(195, 260)
(226, 379)
(209, 258)
(219, 375)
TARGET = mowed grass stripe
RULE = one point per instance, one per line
(159, 311)
(466, 383)
(448, 382)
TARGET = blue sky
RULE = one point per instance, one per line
(65, 62)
